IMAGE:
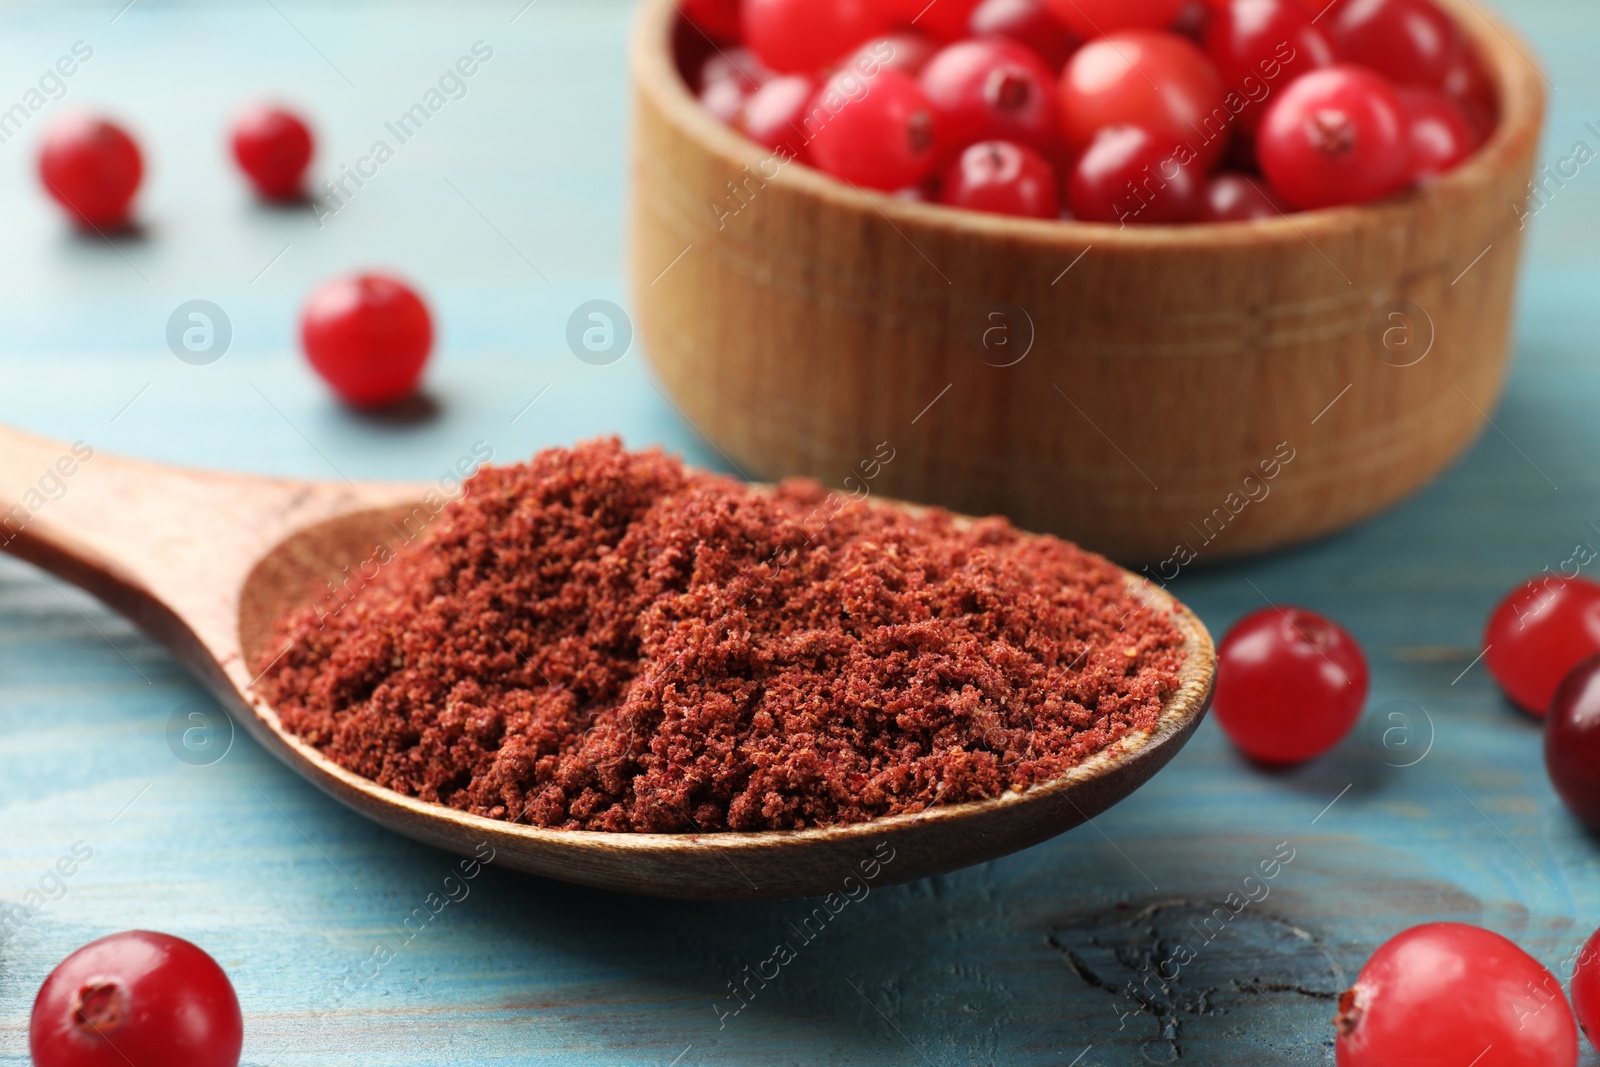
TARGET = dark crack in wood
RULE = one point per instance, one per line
(1172, 960)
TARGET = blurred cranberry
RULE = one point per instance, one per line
(907, 51)
(1538, 633)
(880, 133)
(92, 168)
(1468, 84)
(1130, 177)
(1239, 198)
(1029, 23)
(775, 114)
(1572, 742)
(992, 89)
(1410, 42)
(723, 99)
(727, 78)
(1156, 80)
(1441, 135)
(1193, 20)
(718, 19)
(273, 147)
(1466, 80)
(368, 336)
(944, 19)
(736, 65)
(804, 36)
(1336, 136)
(1092, 19)
(1259, 47)
(1004, 179)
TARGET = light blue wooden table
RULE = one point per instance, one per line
(507, 208)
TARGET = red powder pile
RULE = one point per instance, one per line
(605, 640)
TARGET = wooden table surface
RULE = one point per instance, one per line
(507, 208)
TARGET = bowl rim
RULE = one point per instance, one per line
(1518, 80)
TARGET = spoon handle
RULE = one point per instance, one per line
(170, 548)
(77, 513)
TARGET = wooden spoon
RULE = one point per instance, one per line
(206, 563)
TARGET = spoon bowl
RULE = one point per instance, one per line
(208, 563)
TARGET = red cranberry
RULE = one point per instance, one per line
(944, 19)
(137, 999)
(880, 132)
(1029, 23)
(1091, 19)
(723, 99)
(804, 36)
(1002, 178)
(690, 48)
(1290, 684)
(1538, 634)
(1130, 177)
(92, 168)
(1572, 741)
(368, 335)
(737, 65)
(1193, 20)
(1407, 41)
(775, 114)
(1448, 993)
(1336, 136)
(1441, 136)
(1158, 81)
(727, 80)
(1260, 47)
(718, 19)
(1586, 989)
(1239, 198)
(1468, 84)
(992, 89)
(906, 51)
(273, 147)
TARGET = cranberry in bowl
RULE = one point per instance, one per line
(1164, 370)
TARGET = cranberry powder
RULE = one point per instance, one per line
(606, 640)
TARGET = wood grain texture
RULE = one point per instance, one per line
(811, 321)
(296, 894)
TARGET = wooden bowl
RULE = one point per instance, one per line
(1161, 394)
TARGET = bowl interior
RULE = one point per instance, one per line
(666, 49)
